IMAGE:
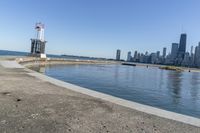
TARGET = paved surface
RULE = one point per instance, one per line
(28, 104)
(10, 64)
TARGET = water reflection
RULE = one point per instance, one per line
(40, 69)
(161, 76)
(116, 73)
(195, 81)
(174, 85)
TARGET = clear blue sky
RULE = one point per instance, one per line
(99, 27)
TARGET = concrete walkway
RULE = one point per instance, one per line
(30, 104)
(10, 64)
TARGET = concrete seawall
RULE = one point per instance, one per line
(31, 102)
(27, 62)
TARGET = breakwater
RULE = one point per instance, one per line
(31, 61)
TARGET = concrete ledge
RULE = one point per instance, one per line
(133, 105)
(10, 64)
(31, 61)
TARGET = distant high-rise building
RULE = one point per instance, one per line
(197, 56)
(191, 56)
(182, 47)
(141, 59)
(186, 60)
(153, 58)
(135, 56)
(164, 52)
(129, 56)
(158, 54)
(118, 54)
(191, 51)
(138, 57)
(174, 51)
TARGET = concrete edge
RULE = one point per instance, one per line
(133, 105)
(10, 64)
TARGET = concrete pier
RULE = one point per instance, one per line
(32, 102)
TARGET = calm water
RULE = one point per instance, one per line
(12, 53)
(17, 53)
(170, 90)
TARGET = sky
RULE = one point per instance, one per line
(98, 28)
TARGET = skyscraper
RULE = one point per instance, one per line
(164, 52)
(153, 57)
(158, 59)
(174, 51)
(186, 60)
(182, 47)
(197, 56)
(146, 53)
(158, 54)
(118, 54)
(135, 56)
(191, 51)
(191, 56)
(129, 56)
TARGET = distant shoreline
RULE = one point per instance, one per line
(185, 69)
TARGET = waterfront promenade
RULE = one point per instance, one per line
(31, 103)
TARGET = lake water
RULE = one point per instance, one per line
(18, 53)
(170, 90)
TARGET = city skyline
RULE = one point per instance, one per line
(177, 56)
(98, 28)
(183, 48)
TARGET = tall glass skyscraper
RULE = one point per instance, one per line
(182, 46)
(129, 56)
(197, 56)
(164, 52)
(181, 49)
(174, 51)
(118, 55)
